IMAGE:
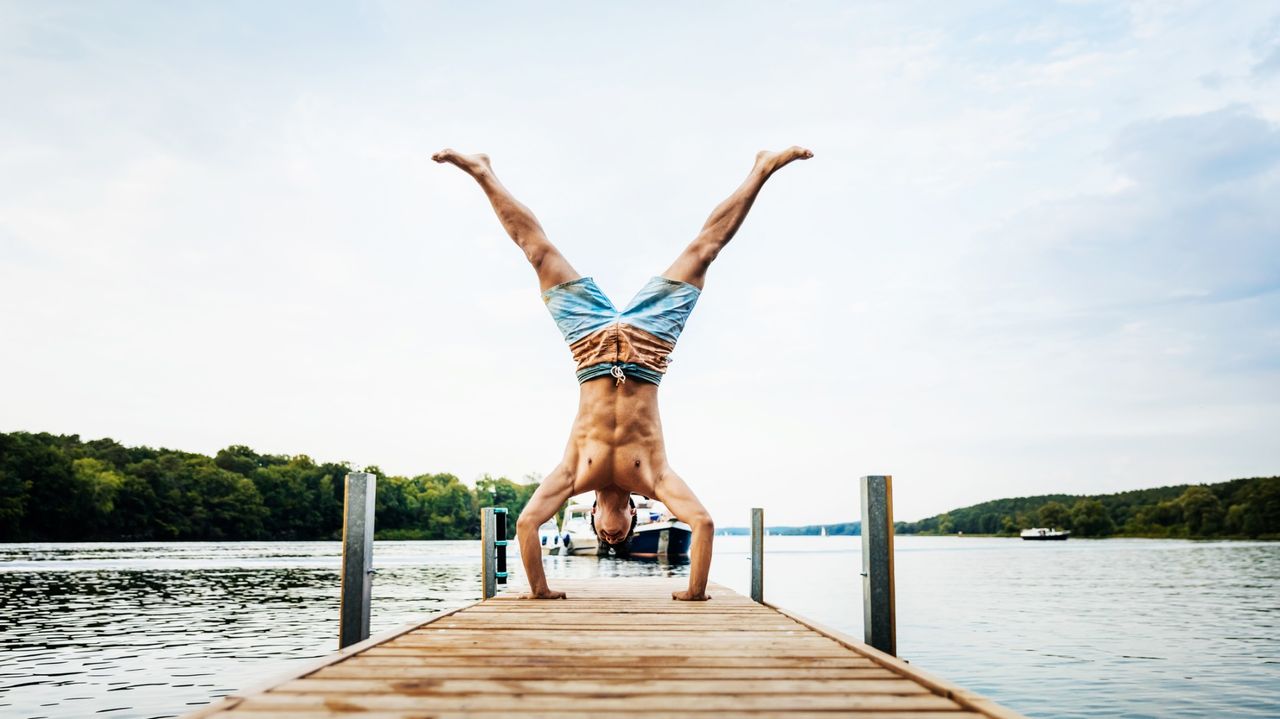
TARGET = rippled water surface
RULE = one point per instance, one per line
(1134, 628)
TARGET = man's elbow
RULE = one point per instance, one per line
(702, 522)
(526, 525)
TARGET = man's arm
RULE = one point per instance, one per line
(543, 505)
(673, 492)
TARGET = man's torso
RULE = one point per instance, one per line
(616, 438)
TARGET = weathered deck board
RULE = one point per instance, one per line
(615, 647)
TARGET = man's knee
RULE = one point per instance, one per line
(536, 248)
(704, 250)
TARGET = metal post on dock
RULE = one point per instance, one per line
(357, 557)
(878, 614)
(757, 554)
(493, 548)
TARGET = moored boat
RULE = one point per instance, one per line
(658, 534)
(1045, 534)
(576, 536)
(549, 537)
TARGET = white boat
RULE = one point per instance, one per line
(658, 533)
(576, 536)
(1044, 534)
(549, 537)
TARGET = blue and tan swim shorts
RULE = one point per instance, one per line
(636, 342)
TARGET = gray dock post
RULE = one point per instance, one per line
(488, 553)
(357, 557)
(757, 554)
(878, 614)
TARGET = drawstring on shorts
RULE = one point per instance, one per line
(618, 376)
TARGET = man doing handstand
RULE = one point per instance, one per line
(616, 447)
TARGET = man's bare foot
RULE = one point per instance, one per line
(771, 162)
(544, 595)
(473, 165)
(689, 596)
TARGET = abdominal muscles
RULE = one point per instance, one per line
(617, 437)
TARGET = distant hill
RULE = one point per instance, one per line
(845, 528)
(1239, 508)
(59, 488)
(1236, 508)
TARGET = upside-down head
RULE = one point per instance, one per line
(613, 524)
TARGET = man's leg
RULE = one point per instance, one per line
(516, 219)
(691, 266)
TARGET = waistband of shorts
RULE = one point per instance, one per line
(629, 369)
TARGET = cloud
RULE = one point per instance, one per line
(1161, 282)
(1267, 45)
(1198, 151)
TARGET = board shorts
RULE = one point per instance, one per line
(636, 342)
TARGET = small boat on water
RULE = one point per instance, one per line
(658, 533)
(1041, 534)
(549, 537)
(576, 536)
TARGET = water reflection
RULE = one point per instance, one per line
(151, 630)
(1078, 629)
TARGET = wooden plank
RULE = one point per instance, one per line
(617, 648)
(257, 713)
(599, 687)
(353, 669)
(573, 659)
(606, 612)
(511, 643)
(581, 703)
(630, 652)
(964, 697)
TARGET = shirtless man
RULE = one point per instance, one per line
(616, 447)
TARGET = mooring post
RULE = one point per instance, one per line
(878, 619)
(500, 544)
(757, 554)
(493, 548)
(357, 557)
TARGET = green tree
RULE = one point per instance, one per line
(1089, 518)
(1255, 510)
(1055, 515)
(14, 487)
(98, 484)
(502, 492)
(1201, 511)
(945, 524)
(52, 508)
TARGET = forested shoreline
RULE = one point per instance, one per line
(1239, 508)
(58, 488)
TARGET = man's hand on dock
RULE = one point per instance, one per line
(545, 594)
(687, 596)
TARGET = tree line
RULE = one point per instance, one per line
(58, 488)
(1236, 508)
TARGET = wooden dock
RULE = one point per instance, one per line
(616, 647)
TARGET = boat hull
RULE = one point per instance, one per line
(1057, 538)
(661, 540)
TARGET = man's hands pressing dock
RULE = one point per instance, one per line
(545, 594)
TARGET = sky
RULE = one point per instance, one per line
(1037, 249)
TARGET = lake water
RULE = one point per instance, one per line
(1107, 628)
